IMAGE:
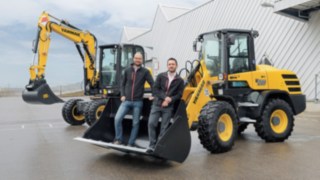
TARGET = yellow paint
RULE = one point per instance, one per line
(77, 36)
(99, 111)
(196, 94)
(105, 91)
(272, 76)
(227, 132)
(146, 84)
(283, 124)
(45, 96)
(75, 115)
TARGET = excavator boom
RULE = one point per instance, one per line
(38, 91)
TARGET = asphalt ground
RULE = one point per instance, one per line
(36, 143)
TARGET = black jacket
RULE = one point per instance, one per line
(132, 84)
(161, 89)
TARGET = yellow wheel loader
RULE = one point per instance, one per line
(224, 90)
(101, 78)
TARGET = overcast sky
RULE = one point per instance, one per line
(104, 18)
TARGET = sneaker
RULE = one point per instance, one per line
(117, 142)
(134, 145)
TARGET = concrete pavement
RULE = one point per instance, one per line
(37, 144)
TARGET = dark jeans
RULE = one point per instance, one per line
(125, 106)
(155, 114)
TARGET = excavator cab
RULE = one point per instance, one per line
(114, 59)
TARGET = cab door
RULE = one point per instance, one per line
(239, 65)
(109, 66)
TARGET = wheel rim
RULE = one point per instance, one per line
(279, 121)
(225, 127)
(99, 111)
(76, 115)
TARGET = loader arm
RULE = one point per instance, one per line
(46, 26)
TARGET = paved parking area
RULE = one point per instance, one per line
(37, 144)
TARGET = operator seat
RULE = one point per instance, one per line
(239, 65)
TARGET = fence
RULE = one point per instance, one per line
(58, 90)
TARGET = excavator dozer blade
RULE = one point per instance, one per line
(40, 93)
(174, 145)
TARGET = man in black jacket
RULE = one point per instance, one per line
(132, 89)
(167, 89)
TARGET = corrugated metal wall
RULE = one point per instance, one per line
(289, 43)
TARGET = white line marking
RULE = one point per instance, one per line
(22, 126)
(50, 125)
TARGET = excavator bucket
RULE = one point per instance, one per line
(174, 145)
(39, 92)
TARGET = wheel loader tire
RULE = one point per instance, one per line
(217, 126)
(277, 121)
(70, 113)
(94, 111)
(242, 127)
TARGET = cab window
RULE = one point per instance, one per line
(126, 58)
(108, 69)
(211, 52)
(238, 55)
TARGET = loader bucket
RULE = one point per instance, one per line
(39, 92)
(174, 145)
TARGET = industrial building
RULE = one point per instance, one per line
(289, 33)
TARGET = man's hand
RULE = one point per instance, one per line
(168, 99)
(151, 98)
(123, 98)
(165, 104)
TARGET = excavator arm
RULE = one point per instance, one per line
(37, 91)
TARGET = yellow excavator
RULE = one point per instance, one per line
(101, 78)
(225, 91)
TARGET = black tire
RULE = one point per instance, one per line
(265, 126)
(94, 110)
(86, 109)
(242, 127)
(70, 113)
(209, 134)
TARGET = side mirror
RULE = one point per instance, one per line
(231, 40)
(254, 33)
(113, 51)
(196, 46)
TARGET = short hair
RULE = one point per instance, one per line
(173, 59)
(138, 53)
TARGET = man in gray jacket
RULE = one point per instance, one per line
(132, 90)
(168, 89)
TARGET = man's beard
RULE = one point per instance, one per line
(137, 64)
(172, 71)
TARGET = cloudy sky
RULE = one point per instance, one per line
(104, 18)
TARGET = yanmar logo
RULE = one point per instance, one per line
(70, 32)
(198, 93)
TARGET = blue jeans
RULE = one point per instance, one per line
(125, 106)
